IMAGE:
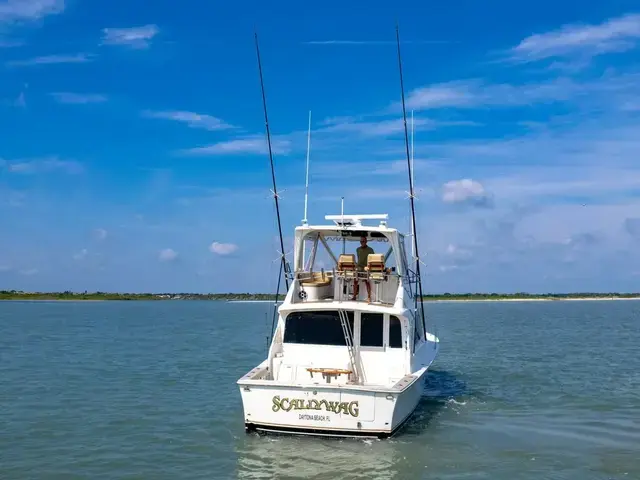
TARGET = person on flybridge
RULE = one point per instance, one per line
(362, 252)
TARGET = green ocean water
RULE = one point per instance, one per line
(146, 390)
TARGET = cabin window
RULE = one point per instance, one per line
(395, 332)
(371, 329)
(315, 328)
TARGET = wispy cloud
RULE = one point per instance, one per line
(19, 11)
(193, 120)
(476, 92)
(251, 145)
(42, 165)
(78, 98)
(133, 37)
(379, 128)
(52, 59)
(373, 42)
(388, 127)
(450, 94)
(614, 35)
(383, 168)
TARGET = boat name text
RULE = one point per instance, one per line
(288, 404)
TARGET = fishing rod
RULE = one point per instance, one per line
(273, 173)
(283, 263)
(411, 194)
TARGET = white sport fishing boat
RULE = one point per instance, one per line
(338, 366)
(351, 347)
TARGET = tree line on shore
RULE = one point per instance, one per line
(69, 295)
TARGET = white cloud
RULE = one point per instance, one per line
(43, 165)
(379, 128)
(52, 59)
(100, 233)
(167, 255)
(19, 11)
(614, 35)
(78, 98)
(450, 94)
(193, 120)
(222, 248)
(465, 191)
(372, 42)
(134, 37)
(475, 93)
(251, 145)
(81, 255)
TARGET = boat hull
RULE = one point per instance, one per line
(341, 411)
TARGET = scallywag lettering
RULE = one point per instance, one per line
(288, 404)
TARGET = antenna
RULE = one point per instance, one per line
(411, 194)
(344, 245)
(306, 186)
(273, 174)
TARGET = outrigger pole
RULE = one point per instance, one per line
(411, 194)
(273, 174)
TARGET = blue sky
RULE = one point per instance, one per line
(133, 154)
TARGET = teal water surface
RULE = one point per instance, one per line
(146, 390)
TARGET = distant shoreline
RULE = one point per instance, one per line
(13, 295)
(525, 299)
